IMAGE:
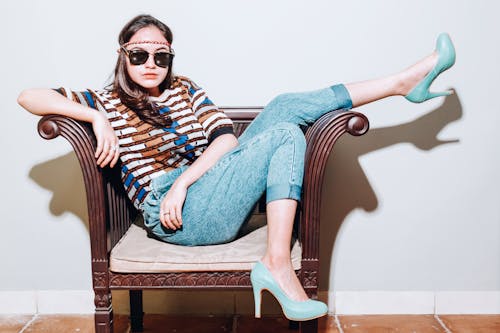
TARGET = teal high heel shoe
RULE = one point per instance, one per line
(446, 58)
(294, 310)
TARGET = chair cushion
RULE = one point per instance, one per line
(138, 253)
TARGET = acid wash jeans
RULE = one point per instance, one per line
(269, 157)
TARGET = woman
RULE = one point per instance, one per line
(185, 170)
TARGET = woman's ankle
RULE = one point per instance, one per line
(276, 262)
(410, 77)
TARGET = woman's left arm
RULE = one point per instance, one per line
(171, 205)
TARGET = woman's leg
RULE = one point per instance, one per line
(281, 213)
(280, 219)
(304, 108)
(398, 84)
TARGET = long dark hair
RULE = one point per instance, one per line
(130, 93)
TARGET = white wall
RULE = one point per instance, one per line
(405, 210)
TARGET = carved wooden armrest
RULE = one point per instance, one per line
(321, 137)
(82, 139)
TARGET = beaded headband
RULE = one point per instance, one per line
(146, 42)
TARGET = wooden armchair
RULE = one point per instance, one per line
(111, 218)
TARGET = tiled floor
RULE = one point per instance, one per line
(246, 324)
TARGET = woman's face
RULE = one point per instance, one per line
(148, 75)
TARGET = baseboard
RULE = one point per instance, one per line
(340, 302)
(47, 302)
(65, 301)
(383, 302)
(468, 302)
(18, 302)
(414, 302)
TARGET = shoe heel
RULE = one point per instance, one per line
(257, 297)
(438, 94)
(418, 97)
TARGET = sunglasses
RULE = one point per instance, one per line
(139, 57)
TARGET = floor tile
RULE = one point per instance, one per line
(390, 323)
(472, 323)
(186, 324)
(121, 324)
(249, 324)
(266, 324)
(62, 323)
(327, 324)
(13, 323)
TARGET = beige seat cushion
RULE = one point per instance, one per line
(138, 253)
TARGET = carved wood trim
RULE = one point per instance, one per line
(180, 280)
(199, 280)
(82, 140)
(321, 137)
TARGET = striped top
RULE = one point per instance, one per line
(148, 151)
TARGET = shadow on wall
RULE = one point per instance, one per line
(354, 190)
(63, 177)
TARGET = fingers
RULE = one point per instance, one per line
(166, 221)
(164, 218)
(175, 217)
(107, 153)
(107, 142)
(171, 207)
(100, 147)
(179, 216)
(109, 156)
(171, 218)
(116, 157)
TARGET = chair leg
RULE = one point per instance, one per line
(136, 311)
(103, 318)
(310, 326)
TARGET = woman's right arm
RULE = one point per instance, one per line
(47, 101)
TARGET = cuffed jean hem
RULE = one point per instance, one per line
(276, 192)
(341, 93)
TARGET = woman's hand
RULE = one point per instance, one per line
(108, 148)
(47, 101)
(171, 206)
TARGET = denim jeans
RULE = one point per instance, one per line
(269, 157)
